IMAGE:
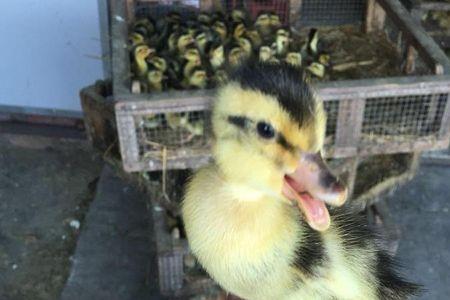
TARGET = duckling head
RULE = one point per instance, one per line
(143, 51)
(269, 130)
(265, 53)
(294, 59)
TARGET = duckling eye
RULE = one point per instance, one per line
(265, 130)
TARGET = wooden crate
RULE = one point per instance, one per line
(358, 110)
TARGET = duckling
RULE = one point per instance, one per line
(316, 69)
(294, 59)
(263, 25)
(140, 53)
(158, 62)
(238, 30)
(266, 55)
(192, 59)
(256, 219)
(177, 120)
(134, 39)
(275, 21)
(201, 40)
(204, 18)
(155, 78)
(215, 53)
(198, 79)
(183, 41)
(144, 26)
(220, 29)
(254, 37)
(282, 40)
(236, 55)
(238, 15)
(246, 46)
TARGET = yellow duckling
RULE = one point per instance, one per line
(140, 53)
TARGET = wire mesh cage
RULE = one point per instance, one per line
(377, 112)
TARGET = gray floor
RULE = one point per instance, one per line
(422, 210)
(46, 185)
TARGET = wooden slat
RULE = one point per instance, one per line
(130, 10)
(434, 5)
(383, 87)
(349, 123)
(120, 57)
(433, 56)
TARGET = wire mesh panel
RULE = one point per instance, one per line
(407, 117)
(331, 12)
(173, 132)
(332, 109)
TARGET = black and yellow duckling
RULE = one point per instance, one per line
(140, 53)
(266, 54)
(197, 79)
(246, 46)
(215, 54)
(134, 39)
(238, 15)
(220, 28)
(275, 21)
(155, 80)
(204, 18)
(256, 218)
(192, 59)
(294, 59)
(183, 41)
(254, 37)
(238, 30)
(235, 54)
(158, 62)
(263, 25)
(282, 41)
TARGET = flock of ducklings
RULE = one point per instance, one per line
(172, 53)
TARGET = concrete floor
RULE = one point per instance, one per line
(422, 210)
(46, 183)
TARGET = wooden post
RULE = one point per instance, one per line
(294, 11)
(349, 124)
(410, 60)
(130, 10)
(375, 17)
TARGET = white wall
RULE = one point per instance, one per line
(46, 52)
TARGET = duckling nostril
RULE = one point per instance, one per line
(329, 181)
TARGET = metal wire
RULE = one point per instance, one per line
(407, 117)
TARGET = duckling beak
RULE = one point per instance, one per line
(312, 185)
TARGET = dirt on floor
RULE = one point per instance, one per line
(46, 185)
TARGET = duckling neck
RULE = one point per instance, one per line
(142, 66)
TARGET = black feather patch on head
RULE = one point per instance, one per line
(281, 81)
